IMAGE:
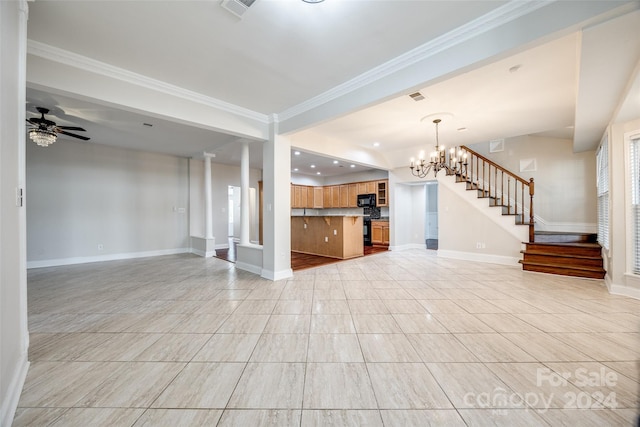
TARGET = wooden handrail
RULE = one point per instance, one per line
(480, 156)
(474, 178)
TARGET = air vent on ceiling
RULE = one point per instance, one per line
(417, 96)
(237, 7)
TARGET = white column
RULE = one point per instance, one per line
(276, 169)
(244, 194)
(208, 200)
(14, 334)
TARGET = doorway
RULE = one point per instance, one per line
(431, 217)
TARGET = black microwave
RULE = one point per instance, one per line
(366, 200)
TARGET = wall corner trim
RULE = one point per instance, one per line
(10, 404)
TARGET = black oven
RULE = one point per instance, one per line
(366, 200)
(366, 232)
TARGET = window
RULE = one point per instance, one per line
(634, 174)
(602, 159)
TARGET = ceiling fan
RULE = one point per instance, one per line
(44, 132)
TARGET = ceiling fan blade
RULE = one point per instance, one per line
(84, 138)
(71, 128)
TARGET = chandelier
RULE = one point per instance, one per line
(452, 163)
(42, 137)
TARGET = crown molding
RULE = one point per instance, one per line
(66, 57)
(497, 17)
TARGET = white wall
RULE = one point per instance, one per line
(222, 176)
(461, 229)
(83, 194)
(620, 277)
(565, 182)
(14, 336)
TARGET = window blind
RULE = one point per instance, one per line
(634, 168)
(602, 161)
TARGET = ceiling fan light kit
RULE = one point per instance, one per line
(45, 132)
(43, 138)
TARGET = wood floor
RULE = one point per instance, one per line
(298, 261)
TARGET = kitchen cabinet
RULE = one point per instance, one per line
(371, 187)
(353, 196)
(335, 196)
(326, 197)
(338, 196)
(362, 188)
(382, 193)
(318, 195)
(344, 196)
(380, 232)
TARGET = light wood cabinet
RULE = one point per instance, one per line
(338, 196)
(380, 232)
(318, 195)
(371, 187)
(310, 201)
(353, 196)
(326, 197)
(344, 196)
(382, 198)
(362, 188)
(303, 196)
(335, 196)
(296, 200)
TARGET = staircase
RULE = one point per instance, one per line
(567, 254)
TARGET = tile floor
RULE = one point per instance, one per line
(393, 339)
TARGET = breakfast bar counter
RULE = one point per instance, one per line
(335, 236)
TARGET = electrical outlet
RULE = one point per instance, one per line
(335, 232)
(305, 226)
(326, 239)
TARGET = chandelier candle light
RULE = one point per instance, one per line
(439, 159)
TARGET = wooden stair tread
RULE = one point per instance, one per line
(567, 244)
(564, 267)
(555, 254)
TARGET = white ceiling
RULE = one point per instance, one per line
(285, 52)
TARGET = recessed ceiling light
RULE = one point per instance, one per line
(313, 166)
(297, 153)
(295, 170)
(376, 144)
(317, 173)
(335, 162)
(352, 166)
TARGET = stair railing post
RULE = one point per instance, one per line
(531, 227)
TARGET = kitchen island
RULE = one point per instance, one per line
(335, 236)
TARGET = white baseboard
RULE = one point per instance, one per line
(277, 275)
(623, 290)
(249, 267)
(486, 258)
(102, 258)
(408, 246)
(203, 253)
(10, 403)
